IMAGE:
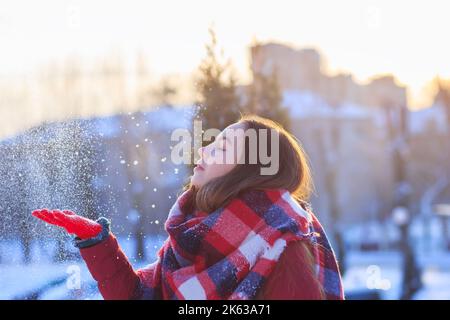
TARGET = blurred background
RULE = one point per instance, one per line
(90, 92)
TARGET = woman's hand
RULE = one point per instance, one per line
(83, 228)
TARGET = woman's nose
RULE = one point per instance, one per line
(200, 152)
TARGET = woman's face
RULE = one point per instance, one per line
(219, 157)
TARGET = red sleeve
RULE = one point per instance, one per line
(111, 269)
(293, 277)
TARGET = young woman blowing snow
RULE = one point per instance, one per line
(234, 233)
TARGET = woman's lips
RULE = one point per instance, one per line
(199, 167)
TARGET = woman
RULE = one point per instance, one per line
(234, 233)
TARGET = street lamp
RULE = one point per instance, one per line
(411, 274)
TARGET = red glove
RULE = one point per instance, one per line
(83, 228)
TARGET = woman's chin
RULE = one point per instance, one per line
(195, 181)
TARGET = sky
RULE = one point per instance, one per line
(405, 38)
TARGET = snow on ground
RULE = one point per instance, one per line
(376, 269)
(382, 271)
(383, 268)
(18, 279)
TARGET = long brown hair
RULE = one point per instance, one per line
(294, 173)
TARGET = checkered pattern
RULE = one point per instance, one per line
(228, 253)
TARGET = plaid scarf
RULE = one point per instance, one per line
(228, 253)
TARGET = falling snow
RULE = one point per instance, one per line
(95, 167)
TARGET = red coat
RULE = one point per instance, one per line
(116, 278)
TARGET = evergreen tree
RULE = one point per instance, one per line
(264, 98)
(218, 101)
